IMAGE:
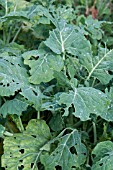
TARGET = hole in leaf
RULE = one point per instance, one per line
(14, 137)
(21, 161)
(21, 167)
(73, 167)
(33, 136)
(32, 165)
(101, 164)
(73, 150)
(84, 153)
(58, 167)
(35, 92)
(21, 150)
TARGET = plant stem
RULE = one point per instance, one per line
(6, 133)
(21, 125)
(17, 33)
(93, 82)
(95, 133)
(64, 63)
(38, 115)
(6, 8)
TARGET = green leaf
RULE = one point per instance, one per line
(2, 129)
(65, 155)
(42, 68)
(21, 15)
(103, 156)
(23, 150)
(14, 106)
(62, 80)
(2, 2)
(99, 66)
(12, 76)
(55, 121)
(93, 26)
(34, 96)
(85, 101)
(66, 38)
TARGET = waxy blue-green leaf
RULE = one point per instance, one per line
(34, 96)
(63, 156)
(13, 106)
(24, 149)
(103, 153)
(12, 76)
(42, 68)
(86, 100)
(98, 66)
(93, 27)
(66, 38)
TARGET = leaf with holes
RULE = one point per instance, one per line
(103, 153)
(69, 153)
(43, 66)
(23, 150)
(12, 76)
(34, 96)
(85, 100)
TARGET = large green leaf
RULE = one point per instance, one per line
(22, 150)
(14, 106)
(85, 100)
(66, 38)
(103, 153)
(43, 66)
(65, 155)
(12, 75)
(98, 66)
(34, 96)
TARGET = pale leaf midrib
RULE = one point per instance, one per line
(93, 69)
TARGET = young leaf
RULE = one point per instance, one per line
(85, 100)
(23, 150)
(65, 155)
